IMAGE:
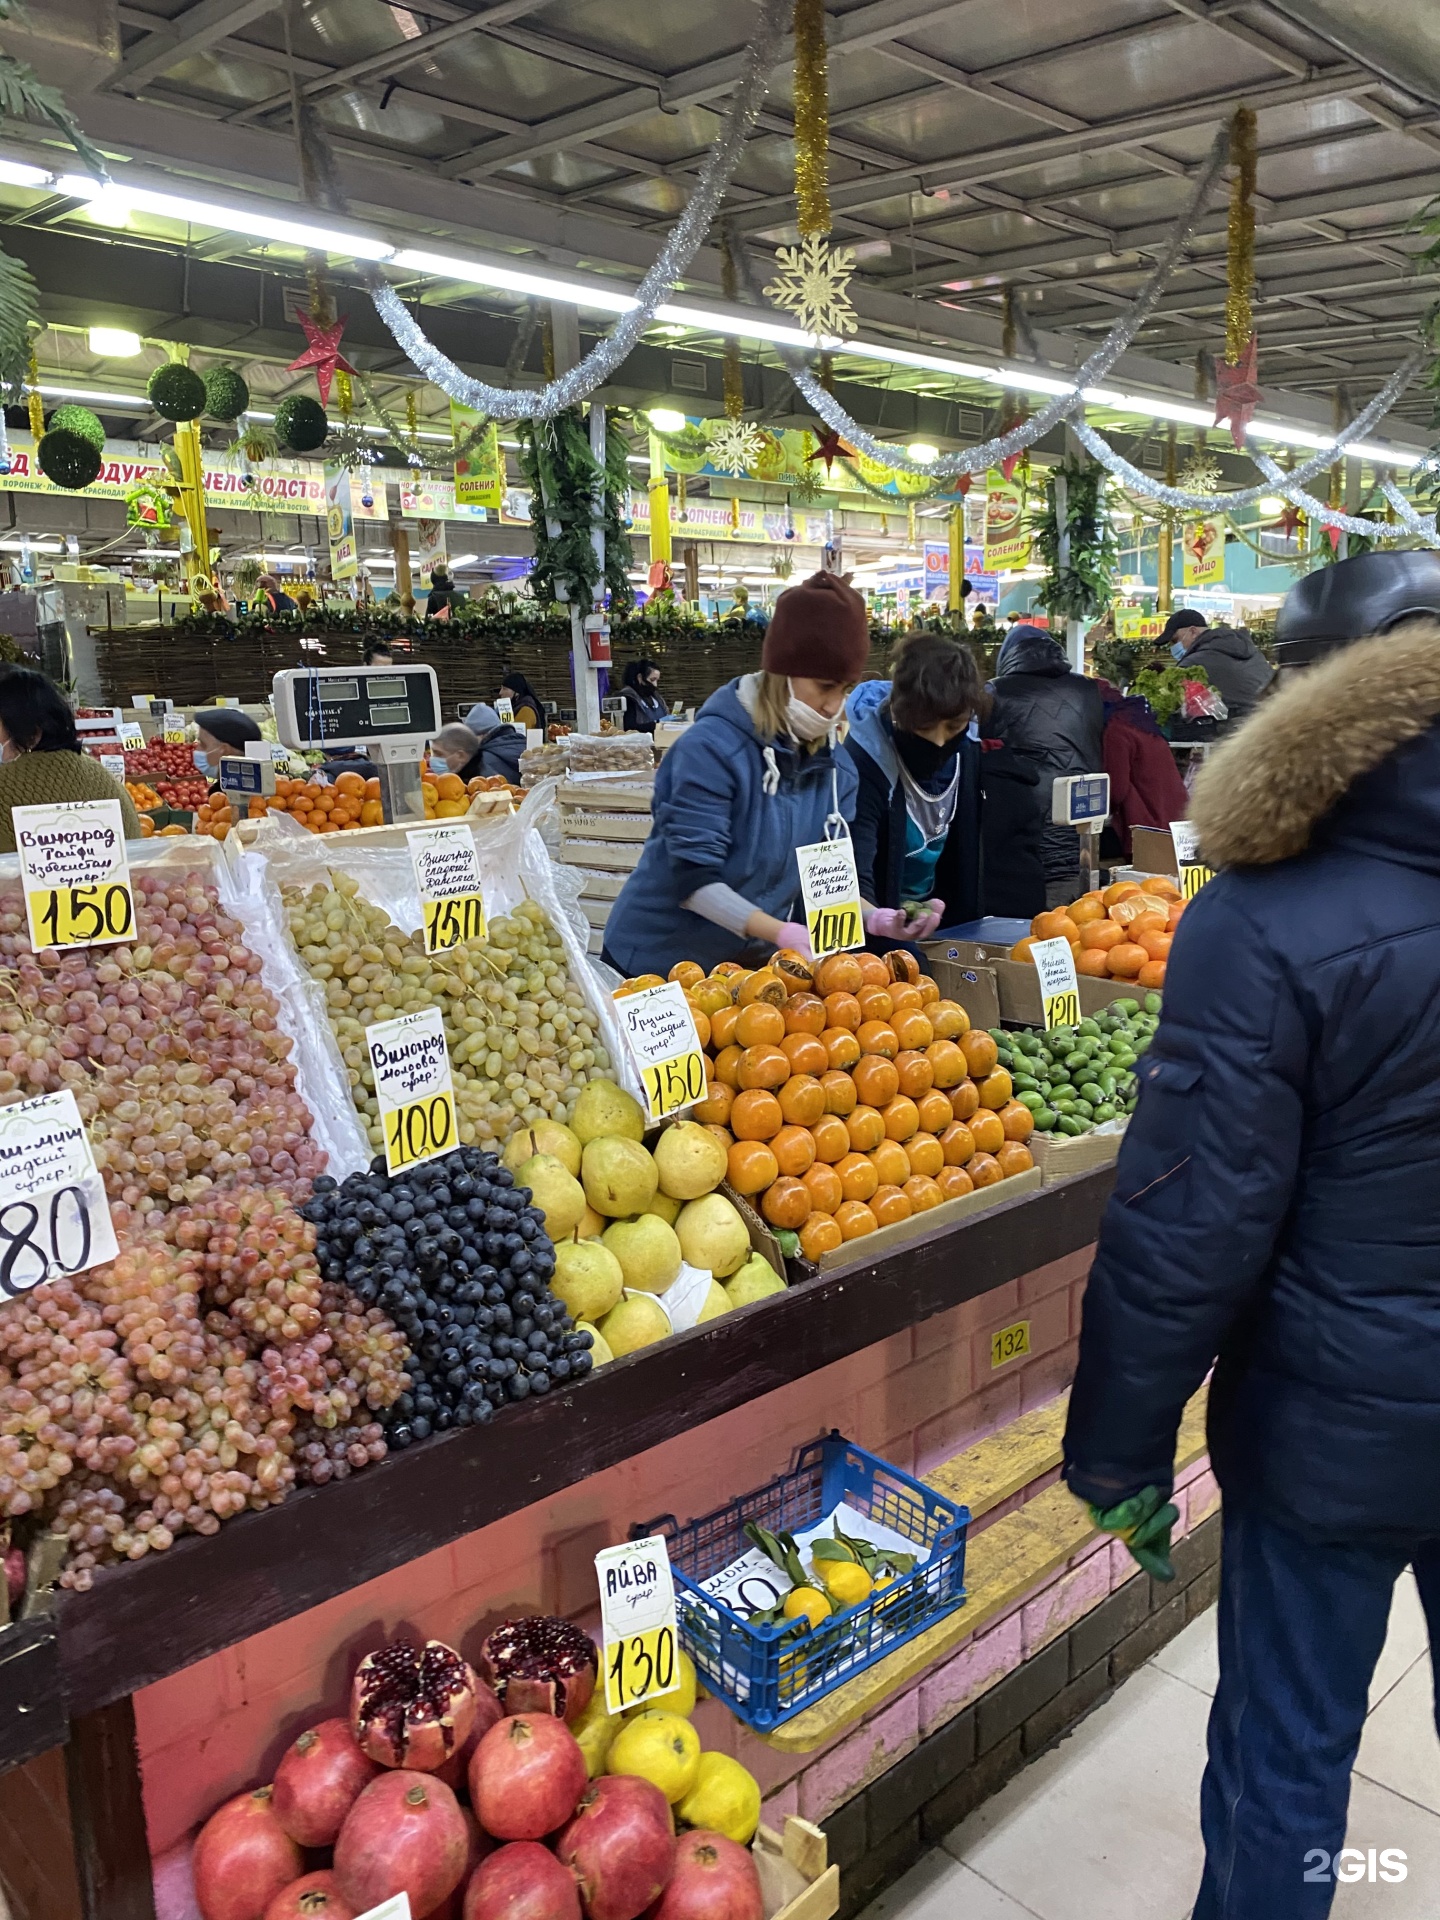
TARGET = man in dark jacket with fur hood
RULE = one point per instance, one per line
(1277, 1206)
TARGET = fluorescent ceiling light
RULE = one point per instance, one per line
(1382, 456)
(107, 206)
(116, 343)
(666, 420)
(126, 402)
(35, 546)
(205, 213)
(14, 173)
(1274, 504)
(922, 450)
(477, 274)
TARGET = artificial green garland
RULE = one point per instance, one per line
(562, 474)
(1082, 588)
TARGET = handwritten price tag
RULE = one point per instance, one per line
(1193, 876)
(1059, 987)
(413, 1088)
(75, 874)
(830, 887)
(173, 736)
(54, 1216)
(660, 1032)
(637, 1616)
(447, 877)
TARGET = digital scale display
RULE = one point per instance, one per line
(341, 707)
(334, 693)
(397, 715)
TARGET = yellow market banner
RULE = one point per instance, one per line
(1133, 623)
(276, 486)
(480, 472)
(1202, 542)
(340, 524)
(1007, 538)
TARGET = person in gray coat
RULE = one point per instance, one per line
(1233, 664)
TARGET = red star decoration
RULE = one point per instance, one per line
(1289, 521)
(830, 449)
(1237, 395)
(961, 484)
(1332, 534)
(323, 353)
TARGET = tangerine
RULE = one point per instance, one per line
(794, 1150)
(832, 1140)
(1151, 975)
(1120, 890)
(855, 1219)
(1089, 908)
(1155, 942)
(1101, 936)
(840, 1094)
(802, 1100)
(824, 1186)
(1126, 960)
(820, 1234)
(751, 1166)
(858, 1176)
(1090, 964)
(1021, 948)
(889, 1205)
(1162, 886)
(755, 1115)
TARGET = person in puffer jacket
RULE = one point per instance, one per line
(1277, 1215)
(1053, 719)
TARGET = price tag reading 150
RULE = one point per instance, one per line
(75, 874)
(660, 1031)
(447, 877)
(830, 886)
(413, 1088)
(1059, 987)
(637, 1614)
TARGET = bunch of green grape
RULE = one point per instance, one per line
(522, 1040)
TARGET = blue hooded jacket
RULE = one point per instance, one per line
(879, 829)
(1278, 1195)
(714, 821)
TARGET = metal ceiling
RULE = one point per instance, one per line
(976, 145)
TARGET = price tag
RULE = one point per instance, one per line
(114, 763)
(831, 890)
(447, 878)
(637, 1616)
(413, 1088)
(54, 1217)
(751, 1584)
(1185, 838)
(1009, 1343)
(75, 874)
(173, 736)
(660, 1032)
(505, 707)
(1059, 987)
(1193, 876)
(397, 1907)
(132, 734)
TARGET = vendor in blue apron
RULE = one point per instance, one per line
(760, 773)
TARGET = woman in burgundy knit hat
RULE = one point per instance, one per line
(757, 776)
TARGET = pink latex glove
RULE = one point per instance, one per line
(791, 934)
(890, 923)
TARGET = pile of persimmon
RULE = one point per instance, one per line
(849, 1094)
(352, 801)
(1122, 933)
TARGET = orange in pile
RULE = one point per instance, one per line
(145, 797)
(352, 801)
(848, 1093)
(213, 816)
(1122, 933)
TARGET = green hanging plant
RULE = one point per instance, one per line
(227, 394)
(176, 393)
(300, 423)
(19, 321)
(69, 459)
(81, 420)
(1083, 587)
(562, 473)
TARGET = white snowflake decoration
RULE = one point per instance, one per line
(733, 446)
(812, 284)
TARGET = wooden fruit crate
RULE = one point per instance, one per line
(794, 1879)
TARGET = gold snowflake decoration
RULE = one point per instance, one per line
(812, 284)
(733, 446)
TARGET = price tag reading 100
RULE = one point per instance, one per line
(660, 1030)
(637, 1613)
(830, 887)
(75, 874)
(413, 1088)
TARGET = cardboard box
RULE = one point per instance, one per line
(1058, 1155)
(1151, 851)
(762, 1234)
(922, 1226)
(1018, 984)
(972, 987)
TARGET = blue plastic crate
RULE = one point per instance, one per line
(767, 1674)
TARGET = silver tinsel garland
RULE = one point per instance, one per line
(569, 389)
(1410, 517)
(989, 453)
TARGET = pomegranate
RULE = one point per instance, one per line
(317, 1783)
(526, 1776)
(479, 1846)
(541, 1665)
(620, 1846)
(243, 1857)
(456, 1770)
(523, 1881)
(316, 1897)
(405, 1834)
(714, 1879)
(413, 1706)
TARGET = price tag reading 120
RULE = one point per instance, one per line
(1059, 987)
(447, 876)
(831, 889)
(637, 1615)
(660, 1031)
(413, 1088)
(75, 874)
(54, 1217)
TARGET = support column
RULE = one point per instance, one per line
(957, 558)
(192, 501)
(1165, 596)
(660, 548)
(404, 579)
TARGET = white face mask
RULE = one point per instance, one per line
(805, 723)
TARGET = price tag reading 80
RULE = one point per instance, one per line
(1059, 985)
(75, 874)
(54, 1217)
(637, 1614)
(413, 1088)
(830, 887)
(665, 1046)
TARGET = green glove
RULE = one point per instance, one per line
(1143, 1522)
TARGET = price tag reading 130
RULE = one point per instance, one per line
(413, 1088)
(1059, 987)
(660, 1031)
(831, 889)
(54, 1217)
(637, 1615)
(447, 876)
(75, 874)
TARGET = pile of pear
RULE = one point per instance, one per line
(624, 1217)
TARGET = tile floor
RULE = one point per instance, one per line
(1062, 1840)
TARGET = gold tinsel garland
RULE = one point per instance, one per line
(812, 119)
(734, 372)
(1240, 235)
(36, 404)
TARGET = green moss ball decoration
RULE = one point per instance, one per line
(68, 458)
(177, 393)
(300, 423)
(78, 420)
(226, 393)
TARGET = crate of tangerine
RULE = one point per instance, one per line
(790, 1591)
